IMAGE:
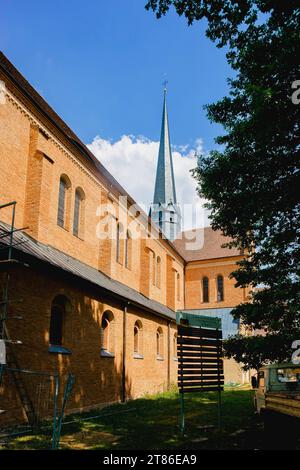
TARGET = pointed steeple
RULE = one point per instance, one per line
(164, 210)
(165, 191)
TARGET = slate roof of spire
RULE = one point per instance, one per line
(164, 192)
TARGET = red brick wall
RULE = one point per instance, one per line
(194, 273)
(33, 158)
(98, 379)
(34, 155)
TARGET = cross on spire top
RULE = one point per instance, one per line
(165, 83)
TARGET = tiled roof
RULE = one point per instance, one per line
(202, 244)
(25, 245)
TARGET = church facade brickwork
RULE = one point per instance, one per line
(117, 348)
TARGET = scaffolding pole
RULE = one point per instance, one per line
(12, 365)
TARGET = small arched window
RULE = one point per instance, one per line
(107, 334)
(128, 250)
(220, 288)
(78, 222)
(178, 286)
(159, 343)
(158, 272)
(205, 289)
(175, 346)
(59, 307)
(63, 203)
(138, 339)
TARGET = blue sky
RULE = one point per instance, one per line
(101, 63)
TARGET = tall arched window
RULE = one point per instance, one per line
(59, 307)
(153, 269)
(205, 289)
(118, 242)
(104, 333)
(159, 343)
(128, 250)
(220, 288)
(78, 222)
(107, 334)
(175, 346)
(178, 286)
(138, 339)
(158, 272)
(63, 203)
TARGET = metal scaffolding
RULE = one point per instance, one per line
(6, 264)
(37, 391)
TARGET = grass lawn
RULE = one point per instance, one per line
(151, 423)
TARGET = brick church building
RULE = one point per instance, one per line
(96, 284)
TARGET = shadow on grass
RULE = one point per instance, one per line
(152, 423)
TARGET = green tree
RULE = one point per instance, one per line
(253, 183)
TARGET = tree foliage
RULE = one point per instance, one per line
(252, 181)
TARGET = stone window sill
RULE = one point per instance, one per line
(105, 353)
(78, 237)
(175, 359)
(138, 356)
(63, 227)
(58, 349)
(159, 358)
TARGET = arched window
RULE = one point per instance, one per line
(104, 333)
(59, 307)
(220, 288)
(205, 289)
(138, 339)
(63, 203)
(159, 343)
(118, 242)
(78, 222)
(178, 286)
(175, 346)
(107, 334)
(153, 269)
(128, 250)
(158, 272)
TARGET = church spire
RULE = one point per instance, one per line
(165, 211)
(165, 191)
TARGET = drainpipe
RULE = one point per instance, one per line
(169, 356)
(124, 354)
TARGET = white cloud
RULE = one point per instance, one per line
(132, 161)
